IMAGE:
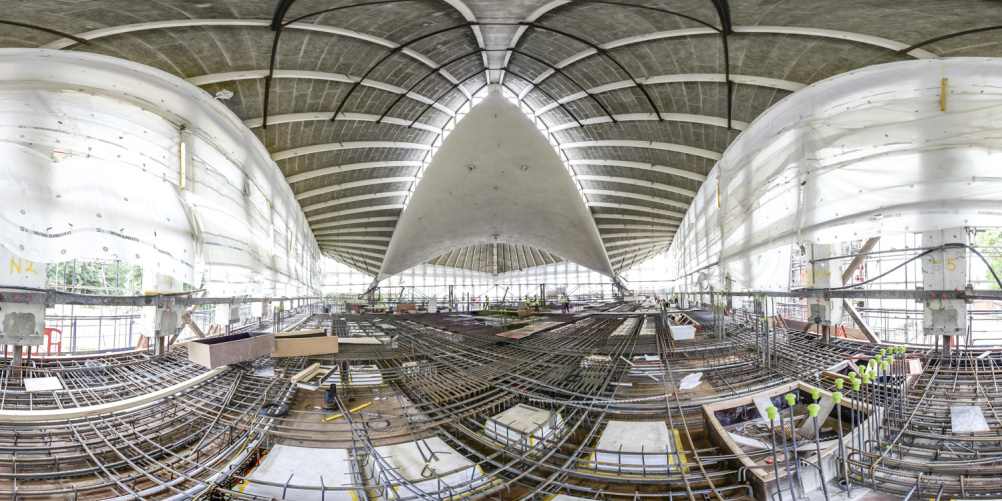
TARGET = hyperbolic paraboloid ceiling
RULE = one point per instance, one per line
(641, 96)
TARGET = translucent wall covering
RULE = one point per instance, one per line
(427, 280)
(868, 153)
(107, 159)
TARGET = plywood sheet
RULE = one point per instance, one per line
(528, 330)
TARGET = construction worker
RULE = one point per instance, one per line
(567, 304)
(535, 304)
(526, 302)
(487, 302)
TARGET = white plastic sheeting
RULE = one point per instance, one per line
(862, 154)
(91, 165)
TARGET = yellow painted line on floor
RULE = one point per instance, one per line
(349, 412)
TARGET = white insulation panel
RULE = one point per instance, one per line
(862, 154)
(102, 158)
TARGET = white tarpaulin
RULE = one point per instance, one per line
(863, 154)
(102, 158)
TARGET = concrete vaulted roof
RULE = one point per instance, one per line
(641, 96)
(496, 179)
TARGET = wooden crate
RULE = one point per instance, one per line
(304, 343)
(218, 351)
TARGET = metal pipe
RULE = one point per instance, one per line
(771, 412)
(813, 410)
(786, 458)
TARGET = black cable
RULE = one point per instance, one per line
(985, 260)
(913, 258)
(882, 275)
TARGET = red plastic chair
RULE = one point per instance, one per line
(49, 343)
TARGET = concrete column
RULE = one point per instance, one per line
(824, 273)
(158, 323)
(944, 270)
(17, 361)
(22, 313)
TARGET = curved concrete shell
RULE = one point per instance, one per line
(496, 179)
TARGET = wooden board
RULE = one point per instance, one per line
(528, 330)
(220, 351)
(306, 373)
(304, 346)
(358, 340)
(306, 333)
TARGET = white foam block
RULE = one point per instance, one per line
(266, 370)
(682, 332)
(967, 418)
(42, 384)
(691, 381)
(305, 465)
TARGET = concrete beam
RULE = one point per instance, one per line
(631, 217)
(630, 194)
(357, 145)
(640, 166)
(349, 250)
(357, 210)
(337, 169)
(652, 226)
(354, 184)
(773, 83)
(636, 182)
(367, 229)
(343, 116)
(357, 198)
(663, 234)
(316, 75)
(339, 243)
(343, 238)
(361, 220)
(62, 43)
(681, 148)
(688, 32)
(637, 241)
(641, 117)
(631, 249)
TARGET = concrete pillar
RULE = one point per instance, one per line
(22, 313)
(159, 321)
(944, 270)
(824, 273)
